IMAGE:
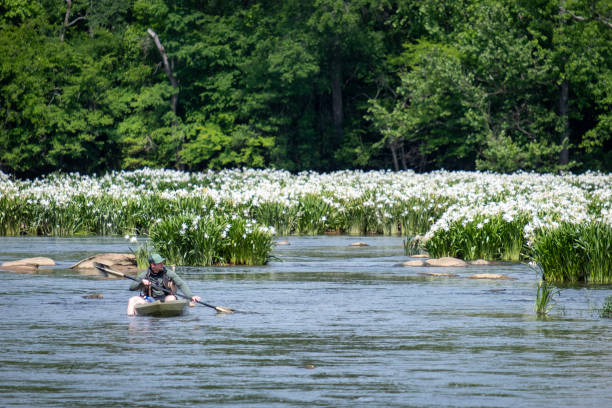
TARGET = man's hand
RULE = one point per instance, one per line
(196, 299)
(146, 282)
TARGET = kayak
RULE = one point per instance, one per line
(162, 309)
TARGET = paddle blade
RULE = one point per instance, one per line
(106, 270)
(222, 309)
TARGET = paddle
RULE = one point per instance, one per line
(107, 270)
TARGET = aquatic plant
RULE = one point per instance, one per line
(574, 253)
(283, 216)
(545, 298)
(189, 239)
(606, 310)
(315, 213)
(245, 242)
(595, 241)
(142, 252)
(465, 214)
(413, 245)
(493, 237)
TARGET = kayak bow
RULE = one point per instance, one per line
(168, 308)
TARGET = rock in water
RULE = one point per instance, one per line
(94, 296)
(27, 264)
(490, 276)
(446, 261)
(122, 262)
(413, 263)
(439, 274)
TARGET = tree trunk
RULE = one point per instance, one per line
(68, 23)
(563, 112)
(403, 156)
(393, 147)
(167, 68)
(66, 18)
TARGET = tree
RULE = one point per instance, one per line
(439, 112)
(581, 49)
(498, 85)
(58, 102)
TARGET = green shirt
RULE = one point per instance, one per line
(158, 280)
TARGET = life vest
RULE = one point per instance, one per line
(166, 282)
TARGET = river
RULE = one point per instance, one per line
(326, 325)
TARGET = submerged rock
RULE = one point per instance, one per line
(490, 276)
(359, 244)
(420, 256)
(483, 262)
(27, 264)
(446, 262)
(121, 262)
(282, 243)
(94, 296)
(439, 274)
(413, 263)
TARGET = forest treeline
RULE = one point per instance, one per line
(501, 85)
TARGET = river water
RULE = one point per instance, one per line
(328, 325)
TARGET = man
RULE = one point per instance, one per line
(157, 276)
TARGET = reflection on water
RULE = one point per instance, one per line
(335, 326)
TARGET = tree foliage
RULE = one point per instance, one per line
(496, 85)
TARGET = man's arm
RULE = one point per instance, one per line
(135, 285)
(180, 283)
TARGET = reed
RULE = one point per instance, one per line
(573, 253)
(413, 245)
(315, 214)
(464, 214)
(595, 241)
(483, 237)
(245, 243)
(545, 298)
(280, 215)
(188, 239)
(142, 252)
(606, 310)
(416, 215)
(14, 217)
(359, 216)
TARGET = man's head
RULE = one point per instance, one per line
(156, 261)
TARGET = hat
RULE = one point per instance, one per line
(155, 259)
